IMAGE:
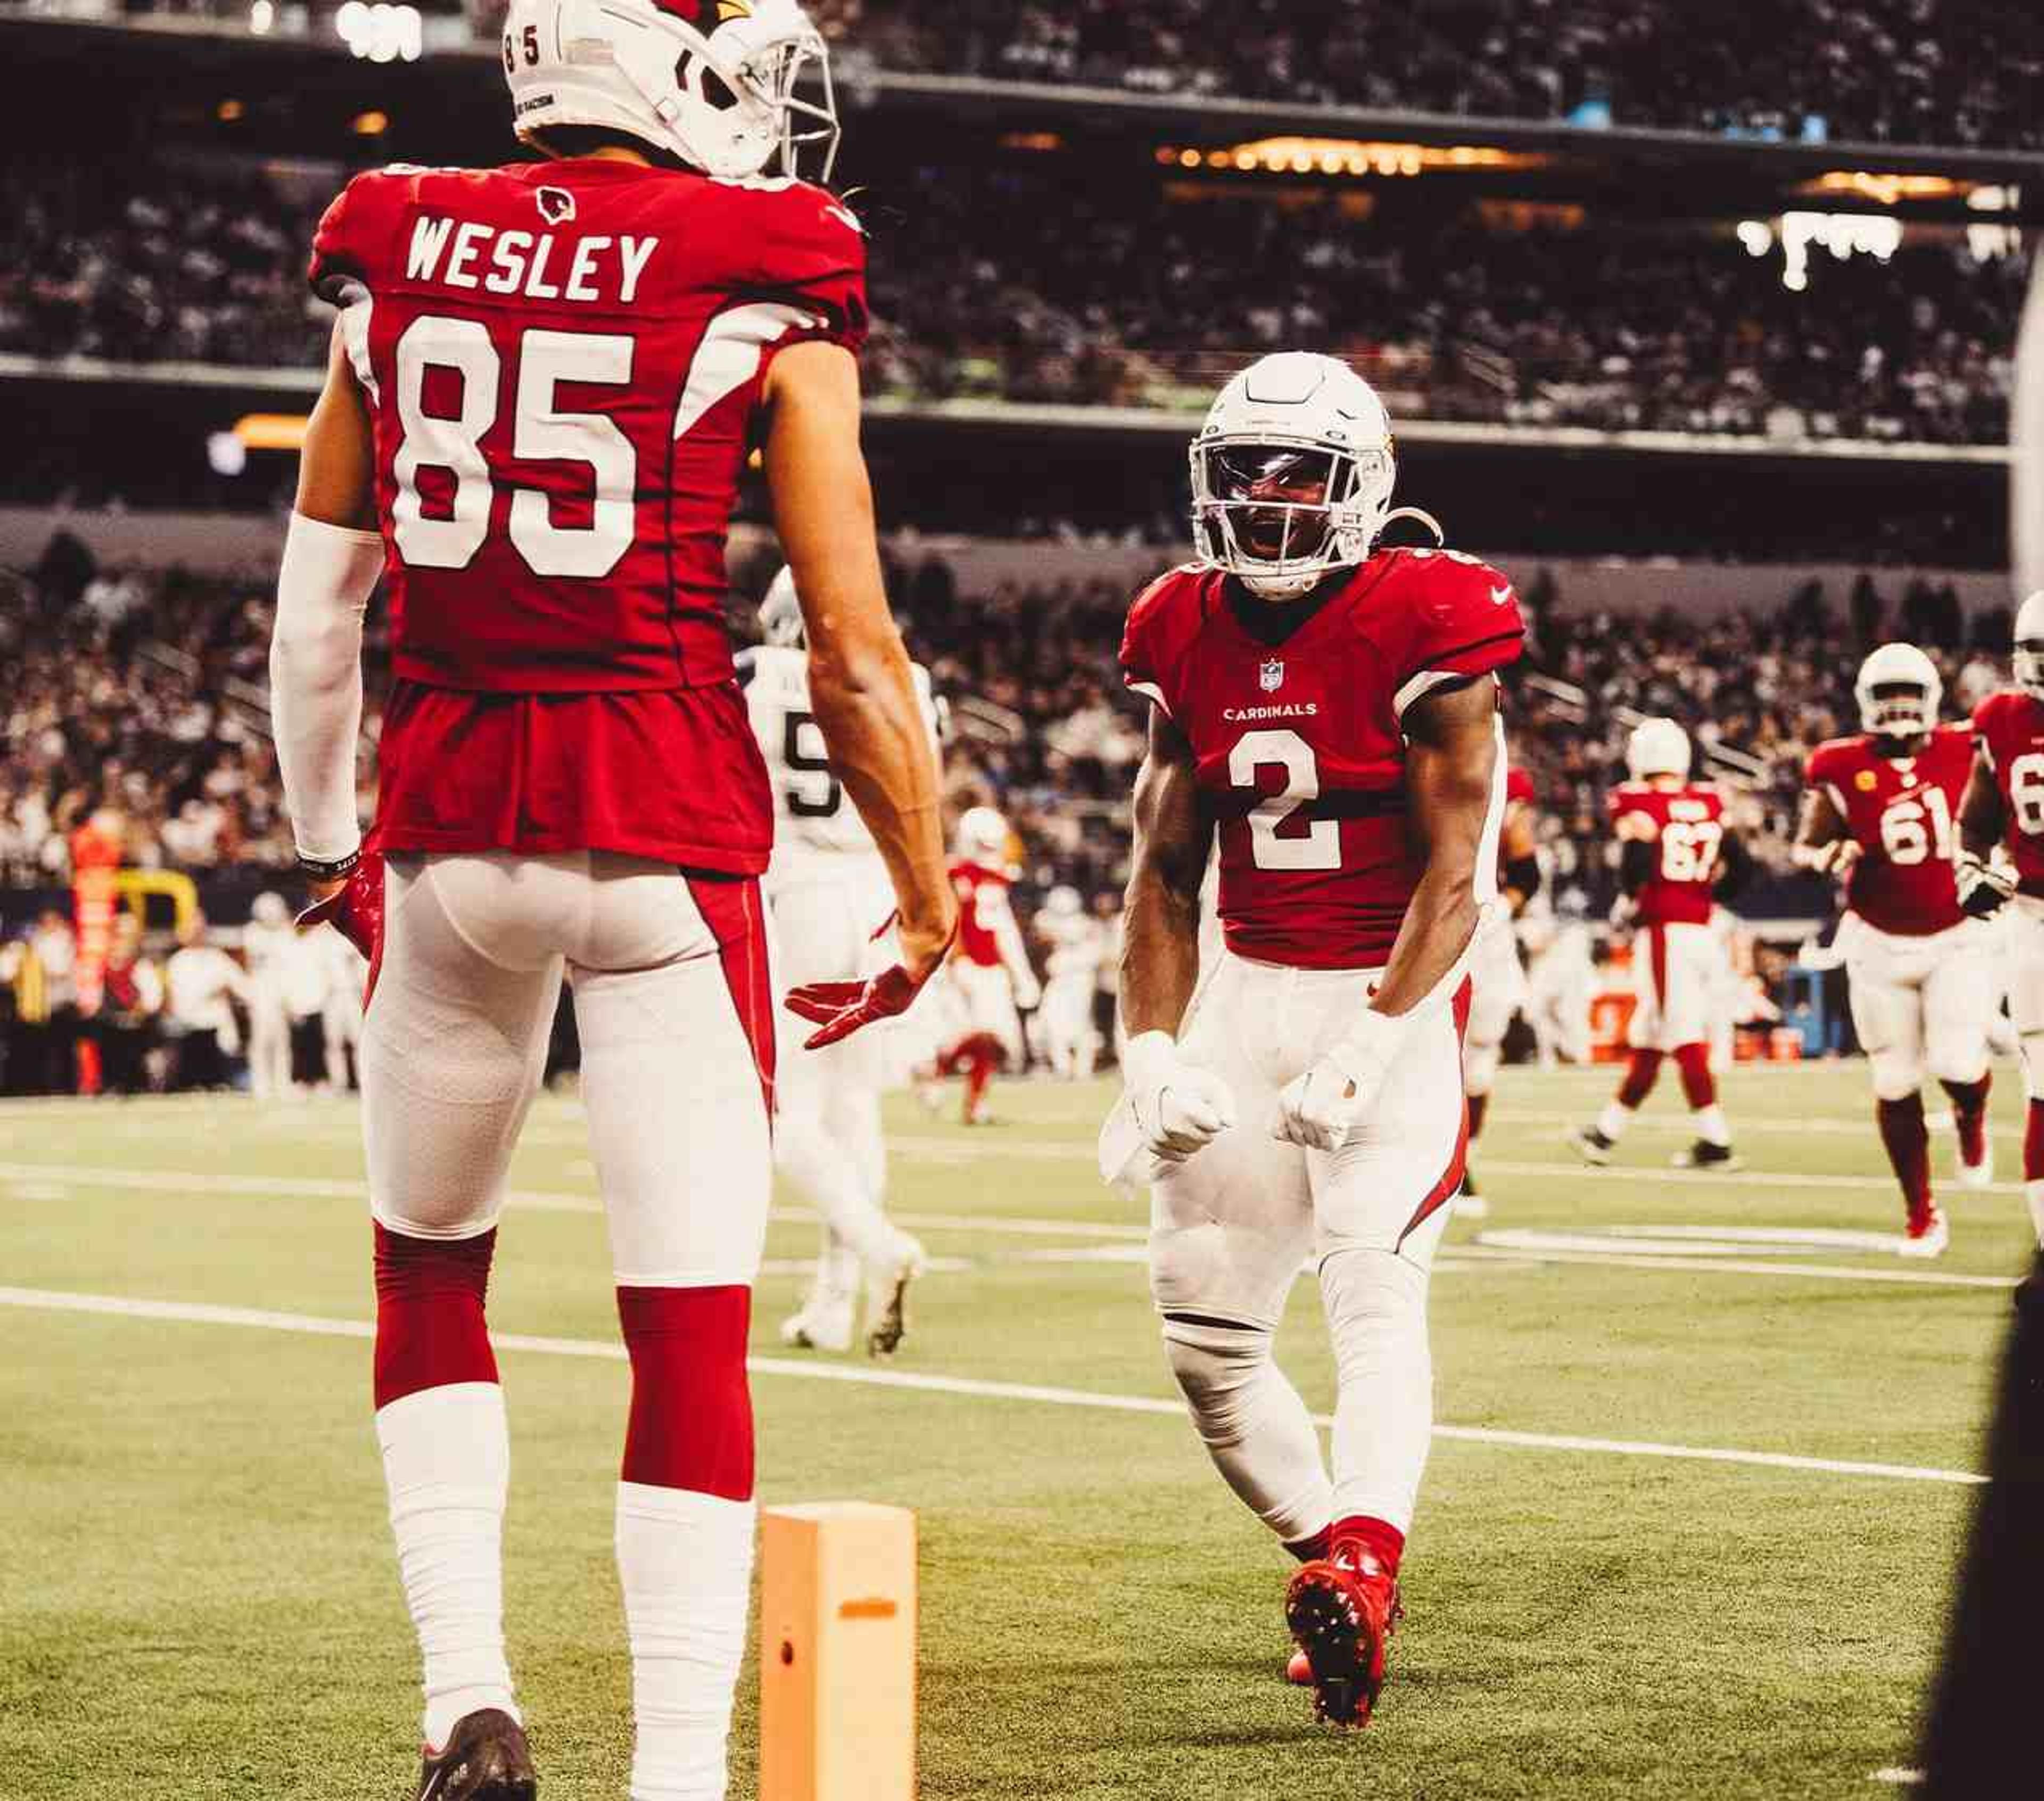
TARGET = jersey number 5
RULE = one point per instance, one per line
(449, 536)
(1318, 845)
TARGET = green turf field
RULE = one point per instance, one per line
(198, 1599)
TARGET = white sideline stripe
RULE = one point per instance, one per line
(1898, 1776)
(992, 1225)
(1681, 1123)
(1710, 1178)
(1739, 1266)
(207, 1313)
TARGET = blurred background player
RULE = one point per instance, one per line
(269, 944)
(989, 976)
(544, 383)
(2003, 812)
(1497, 978)
(1677, 857)
(828, 899)
(1328, 712)
(1880, 814)
(1075, 946)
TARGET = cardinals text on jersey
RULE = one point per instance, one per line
(1298, 742)
(1687, 832)
(2009, 729)
(563, 361)
(1900, 812)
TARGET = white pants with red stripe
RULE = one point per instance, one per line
(672, 1004)
(1921, 1005)
(1678, 973)
(1231, 1229)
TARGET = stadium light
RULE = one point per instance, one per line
(1349, 156)
(261, 15)
(381, 34)
(264, 431)
(1844, 235)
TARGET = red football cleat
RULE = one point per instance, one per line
(1341, 1609)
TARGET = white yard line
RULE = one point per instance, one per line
(1740, 1266)
(200, 1313)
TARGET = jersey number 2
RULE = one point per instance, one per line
(540, 431)
(1319, 846)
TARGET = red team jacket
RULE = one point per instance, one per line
(1298, 745)
(971, 881)
(1689, 828)
(563, 360)
(2009, 729)
(1901, 812)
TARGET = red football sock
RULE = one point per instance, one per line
(1641, 1074)
(1378, 1537)
(430, 1331)
(1479, 1104)
(1969, 1113)
(691, 1420)
(1700, 1088)
(983, 1056)
(2032, 1143)
(1908, 1141)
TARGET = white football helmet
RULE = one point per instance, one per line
(1899, 690)
(1291, 473)
(1658, 746)
(1062, 902)
(781, 612)
(712, 82)
(268, 909)
(2028, 661)
(982, 836)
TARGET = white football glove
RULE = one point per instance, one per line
(1179, 1108)
(1318, 1109)
(1835, 858)
(1984, 889)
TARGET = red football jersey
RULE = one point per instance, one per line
(1900, 811)
(563, 363)
(2009, 729)
(1688, 831)
(1518, 788)
(983, 898)
(1300, 750)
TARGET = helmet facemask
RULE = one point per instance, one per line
(1897, 709)
(1280, 513)
(2027, 664)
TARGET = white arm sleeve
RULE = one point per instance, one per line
(323, 589)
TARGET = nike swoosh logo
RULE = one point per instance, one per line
(1500, 595)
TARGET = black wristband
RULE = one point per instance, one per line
(312, 870)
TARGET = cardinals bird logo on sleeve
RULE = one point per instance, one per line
(556, 205)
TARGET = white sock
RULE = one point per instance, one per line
(2033, 1193)
(685, 1562)
(1613, 1120)
(1376, 1305)
(1711, 1127)
(447, 1461)
(1253, 1423)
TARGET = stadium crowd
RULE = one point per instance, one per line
(1142, 297)
(138, 707)
(1895, 71)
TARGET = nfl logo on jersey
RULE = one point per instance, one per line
(1272, 675)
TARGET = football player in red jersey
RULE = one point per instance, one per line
(988, 976)
(1328, 711)
(1879, 813)
(544, 383)
(1677, 859)
(1497, 978)
(2004, 808)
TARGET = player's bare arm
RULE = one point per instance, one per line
(860, 686)
(1450, 767)
(1452, 748)
(332, 558)
(1519, 857)
(1983, 819)
(1821, 842)
(1178, 1109)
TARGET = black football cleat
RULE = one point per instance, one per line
(1591, 1146)
(484, 1759)
(1705, 1155)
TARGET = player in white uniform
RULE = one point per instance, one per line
(1077, 945)
(828, 899)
